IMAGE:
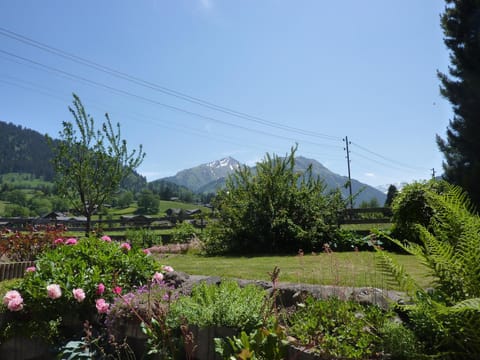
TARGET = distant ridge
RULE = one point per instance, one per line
(209, 177)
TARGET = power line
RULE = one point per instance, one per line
(159, 88)
(143, 98)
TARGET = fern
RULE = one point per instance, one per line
(447, 318)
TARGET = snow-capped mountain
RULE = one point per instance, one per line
(384, 188)
(198, 176)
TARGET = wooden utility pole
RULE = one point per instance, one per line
(348, 165)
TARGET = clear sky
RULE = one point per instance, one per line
(197, 80)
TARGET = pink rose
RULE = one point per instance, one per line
(54, 291)
(167, 268)
(58, 241)
(117, 290)
(100, 289)
(31, 269)
(16, 304)
(106, 238)
(78, 294)
(147, 252)
(71, 241)
(157, 277)
(125, 246)
(102, 306)
(10, 295)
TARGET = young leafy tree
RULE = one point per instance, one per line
(461, 148)
(274, 209)
(391, 194)
(90, 163)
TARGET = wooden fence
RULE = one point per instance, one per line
(14, 270)
(366, 216)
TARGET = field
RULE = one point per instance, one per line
(343, 268)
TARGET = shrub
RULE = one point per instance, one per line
(226, 304)
(184, 232)
(447, 317)
(337, 328)
(28, 245)
(77, 280)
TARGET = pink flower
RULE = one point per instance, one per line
(58, 241)
(147, 252)
(106, 238)
(125, 246)
(117, 290)
(100, 289)
(31, 269)
(16, 304)
(102, 306)
(13, 300)
(78, 294)
(71, 241)
(10, 295)
(167, 268)
(54, 291)
(157, 277)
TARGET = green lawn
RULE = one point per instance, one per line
(343, 268)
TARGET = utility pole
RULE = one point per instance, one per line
(433, 173)
(348, 165)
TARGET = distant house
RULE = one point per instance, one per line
(174, 212)
(193, 212)
(137, 220)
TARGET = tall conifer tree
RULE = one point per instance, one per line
(461, 86)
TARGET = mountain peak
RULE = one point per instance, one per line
(227, 162)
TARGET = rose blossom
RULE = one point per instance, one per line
(100, 289)
(102, 306)
(71, 241)
(58, 241)
(157, 277)
(117, 290)
(31, 269)
(106, 238)
(167, 268)
(54, 291)
(78, 294)
(147, 252)
(125, 246)
(16, 304)
(10, 295)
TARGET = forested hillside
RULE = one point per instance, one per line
(24, 151)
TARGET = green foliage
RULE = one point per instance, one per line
(415, 204)
(446, 318)
(184, 232)
(264, 343)
(392, 193)
(14, 210)
(78, 266)
(460, 86)
(148, 202)
(274, 210)
(143, 238)
(91, 163)
(337, 328)
(399, 341)
(226, 304)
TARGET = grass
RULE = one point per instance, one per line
(342, 268)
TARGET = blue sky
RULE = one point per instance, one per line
(306, 72)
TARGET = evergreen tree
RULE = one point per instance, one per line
(391, 194)
(461, 86)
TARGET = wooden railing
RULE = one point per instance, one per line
(366, 216)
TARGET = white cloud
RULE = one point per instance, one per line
(372, 175)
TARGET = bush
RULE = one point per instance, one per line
(28, 245)
(84, 277)
(226, 304)
(184, 232)
(337, 328)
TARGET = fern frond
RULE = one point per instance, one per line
(396, 274)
